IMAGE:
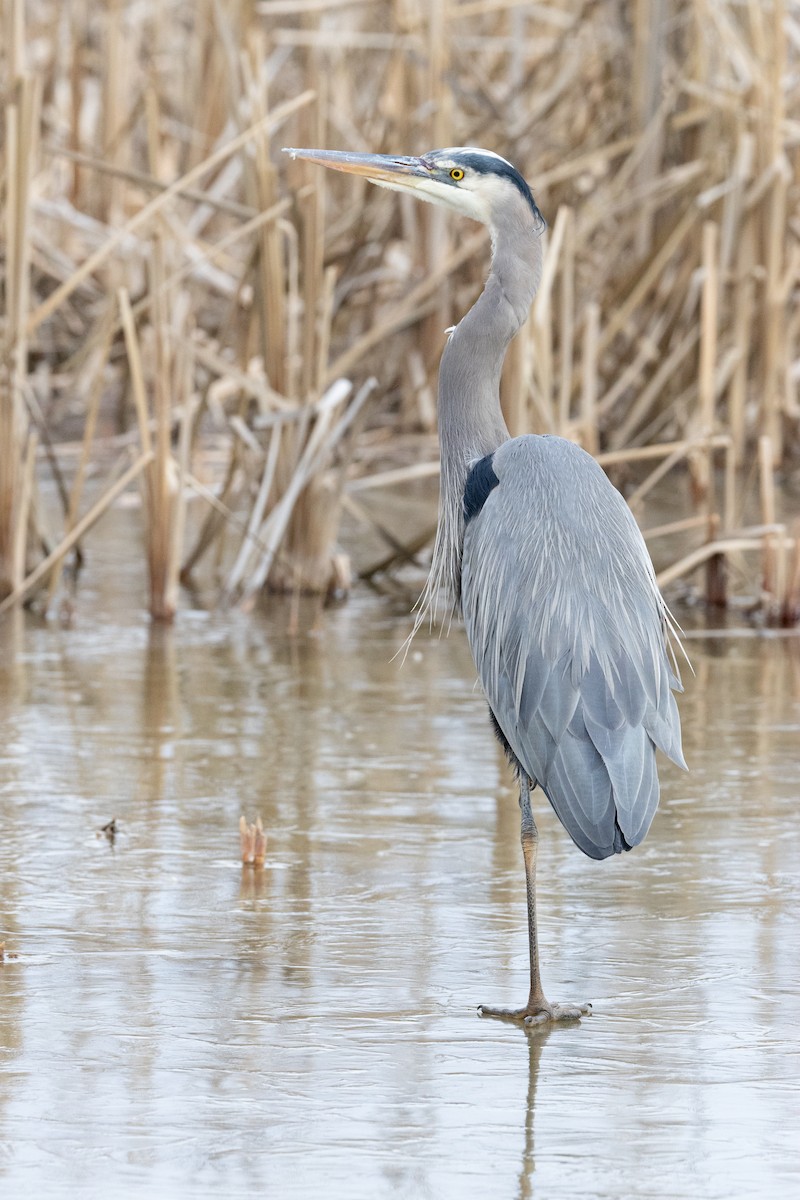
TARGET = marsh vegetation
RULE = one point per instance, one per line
(255, 344)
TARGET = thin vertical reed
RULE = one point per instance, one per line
(591, 338)
(768, 514)
(567, 322)
(22, 130)
(702, 463)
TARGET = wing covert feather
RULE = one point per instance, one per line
(568, 633)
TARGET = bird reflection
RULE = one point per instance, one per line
(536, 1037)
(253, 885)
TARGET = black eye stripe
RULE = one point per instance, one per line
(485, 164)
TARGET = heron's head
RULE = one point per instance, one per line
(477, 183)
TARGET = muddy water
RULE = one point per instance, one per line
(176, 1025)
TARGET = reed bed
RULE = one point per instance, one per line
(256, 343)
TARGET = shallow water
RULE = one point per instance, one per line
(177, 1025)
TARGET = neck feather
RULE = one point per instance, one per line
(471, 421)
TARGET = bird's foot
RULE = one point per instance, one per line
(540, 1013)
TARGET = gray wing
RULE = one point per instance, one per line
(568, 632)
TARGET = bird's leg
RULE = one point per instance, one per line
(538, 1010)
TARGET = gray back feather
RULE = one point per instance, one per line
(568, 631)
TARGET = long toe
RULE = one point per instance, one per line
(540, 1014)
(558, 1012)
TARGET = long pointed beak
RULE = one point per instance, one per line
(404, 174)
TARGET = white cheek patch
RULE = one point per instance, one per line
(461, 199)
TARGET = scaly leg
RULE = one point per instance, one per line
(537, 1011)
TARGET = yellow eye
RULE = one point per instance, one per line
(457, 174)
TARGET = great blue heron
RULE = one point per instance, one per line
(563, 614)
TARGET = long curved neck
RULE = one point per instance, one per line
(470, 418)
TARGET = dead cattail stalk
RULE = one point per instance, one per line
(253, 842)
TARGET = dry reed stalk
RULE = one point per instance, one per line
(22, 134)
(308, 560)
(791, 607)
(742, 332)
(408, 311)
(273, 120)
(766, 481)
(327, 432)
(702, 463)
(656, 386)
(97, 510)
(773, 326)
(392, 478)
(261, 183)
(608, 458)
(696, 558)
(542, 326)
(25, 501)
(591, 338)
(210, 253)
(640, 168)
(647, 279)
(567, 319)
(251, 542)
(161, 488)
(672, 527)
(144, 180)
(99, 357)
(648, 20)
(646, 355)
(163, 480)
(515, 382)
(253, 842)
(709, 308)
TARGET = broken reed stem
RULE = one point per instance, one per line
(253, 841)
(321, 442)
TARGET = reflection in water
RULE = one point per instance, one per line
(536, 1039)
(179, 1024)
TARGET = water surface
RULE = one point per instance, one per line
(178, 1025)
